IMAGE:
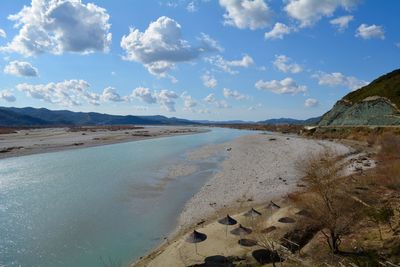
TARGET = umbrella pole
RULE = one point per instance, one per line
(195, 246)
(226, 231)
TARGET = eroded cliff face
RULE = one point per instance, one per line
(373, 110)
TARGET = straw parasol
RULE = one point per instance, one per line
(268, 229)
(252, 213)
(273, 206)
(241, 230)
(196, 237)
(247, 242)
(228, 220)
(286, 220)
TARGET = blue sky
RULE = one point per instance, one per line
(196, 59)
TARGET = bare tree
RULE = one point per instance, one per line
(330, 208)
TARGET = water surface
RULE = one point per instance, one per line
(97, 206)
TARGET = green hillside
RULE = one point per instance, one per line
(387, 86)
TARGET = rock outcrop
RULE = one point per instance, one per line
(374, 104)
(370, 111)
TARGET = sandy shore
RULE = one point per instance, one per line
(257, 169)
(32, 141)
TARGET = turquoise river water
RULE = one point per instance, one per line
(97, 206)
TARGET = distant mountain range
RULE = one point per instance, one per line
(17, 117)
(29, 117)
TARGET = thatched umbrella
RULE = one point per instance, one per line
(247, 242)
(252, 213)
(273, 206)
(228, 220)
(241, 230)
(196, 237)
(286, 220)
(268, 229)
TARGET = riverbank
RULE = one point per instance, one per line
(257, 169)
(41, 140)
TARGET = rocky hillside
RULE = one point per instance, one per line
(375, 104)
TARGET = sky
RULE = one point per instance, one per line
(196, 59)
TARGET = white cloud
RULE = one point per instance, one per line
(166, 99)
(210, 98)
(311, 102)
(188, 102)
(341, 23)
(227, 65)
(3, 34)
(21, 68)
(191, 7)
(338, 79)
(209, 80)
(397, 45)
(110, 94)
(308, 12)
(285, 86)
(222, 104)
(369, 32)
(218, 103)
(7, 96)
(283, 63)
(161, 46)
(60, 26)
(144, 94)
(252, 108)
(278, 32)
(251, 14)
(66, 93)
(234, 93)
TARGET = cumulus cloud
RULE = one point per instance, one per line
(164, 98)
(234, 94)
(209, 80)
(365, 31)
(211, 99)
(252, 108)
(60, 26)
(285, 64)
(341, 23)
(246, 14)
(285, 86)
(66, 93)
(110, 94)
(7, 96)
(308, 12)
(278, 31)
(339, 79)
(3, 34)
(188, 102)
(227, 65)
(144, 94)
(161, 46)
(21, 68)
(311, 102)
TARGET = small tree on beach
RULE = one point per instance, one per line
(330, 208)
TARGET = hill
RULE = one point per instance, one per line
(375, 104)
(16, 117)
(310, 121)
